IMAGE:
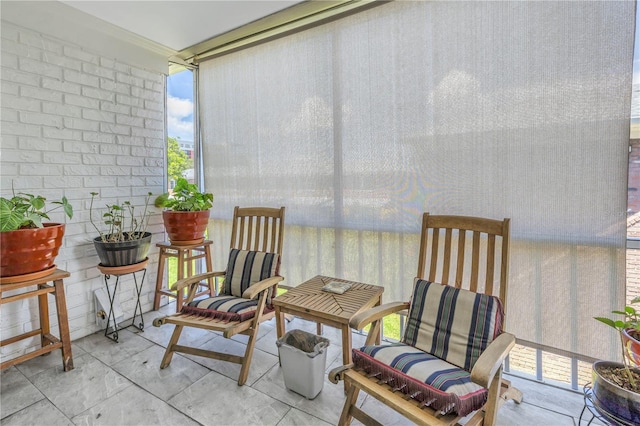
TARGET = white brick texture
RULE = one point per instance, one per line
(73, 123)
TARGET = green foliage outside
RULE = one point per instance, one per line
(172, 270)
(177, 160)
(390, 327)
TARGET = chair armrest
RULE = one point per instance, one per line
(260, 286)
(180, 284)
(337, 374)
(377, 312)
(491, 359)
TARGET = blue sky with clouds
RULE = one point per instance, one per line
(180, 105)
(636, 50)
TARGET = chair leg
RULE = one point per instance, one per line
(168, 354)
(248, 354)
(352, 397)
(493, 400)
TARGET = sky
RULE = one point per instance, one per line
(636, 48)
(180, 105)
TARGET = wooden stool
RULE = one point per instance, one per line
(47, 340)
(185, 254)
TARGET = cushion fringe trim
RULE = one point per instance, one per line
(444, 402)
(221, 315)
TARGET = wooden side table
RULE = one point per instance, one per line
(48, 341)
(308, 301)
(185, 254)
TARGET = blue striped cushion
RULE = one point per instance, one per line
(426, 378)
(453, 324)
(228, 308)
(246, 268)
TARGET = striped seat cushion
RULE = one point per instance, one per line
(424, 377)
(452, 324)
(244, 269)
(224, 307)
(447, 330)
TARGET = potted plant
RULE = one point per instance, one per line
(616, 386)
(28, 246)
(187, 214)
(125, 240)
(631, 331)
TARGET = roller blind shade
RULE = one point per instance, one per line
(494, 109)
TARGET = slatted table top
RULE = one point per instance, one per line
(309, 298)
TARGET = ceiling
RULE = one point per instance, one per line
(179, 24)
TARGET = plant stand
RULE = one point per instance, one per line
(48, 341)
(185, 254)
(602, 415)
(118, 271)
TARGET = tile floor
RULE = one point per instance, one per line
(122, 384)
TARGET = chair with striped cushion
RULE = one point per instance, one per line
(244, 300)
(448, 363)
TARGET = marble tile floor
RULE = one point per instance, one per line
(122, 384)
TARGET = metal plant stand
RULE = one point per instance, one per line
(598, 413)
(117, 272)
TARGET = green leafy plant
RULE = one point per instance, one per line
(185, 197)
(27, 211)
(177, 160)
(631, 319)
(121, 222)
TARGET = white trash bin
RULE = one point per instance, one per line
(303, 357)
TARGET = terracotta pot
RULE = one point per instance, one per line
(631, 340)
(27, 251)
(611, 398)
(186, 228)
(123, 253)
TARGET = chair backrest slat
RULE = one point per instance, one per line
(434, 254)
(480, 262)
(258, 229)
(491, 259)
(447, 256)
(274, 229)
(462, 237)
(475, 262)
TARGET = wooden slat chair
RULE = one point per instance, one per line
(244, 300)
(449, 363)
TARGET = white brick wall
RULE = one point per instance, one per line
(73, 122)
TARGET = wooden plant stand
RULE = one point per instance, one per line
(185, 254)
(48, 341)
